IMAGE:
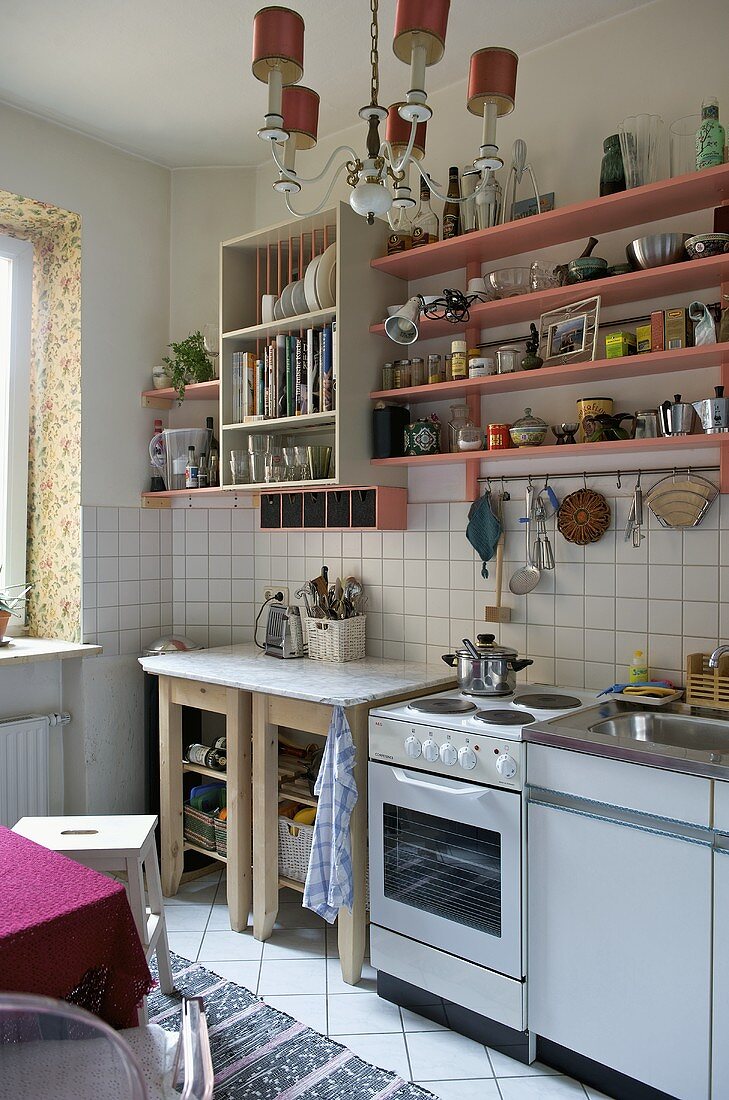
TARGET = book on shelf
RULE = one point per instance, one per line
(293, 376)
(243, 378)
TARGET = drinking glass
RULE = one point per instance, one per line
(239, 467)
(273, 468)
(210, 335)
(683, 144)
(643, 145)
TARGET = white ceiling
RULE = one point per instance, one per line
(171, 79)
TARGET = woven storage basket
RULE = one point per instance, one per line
(221, 836)
(336, 639)
(294, 848)
(198, 827)
(707, 687)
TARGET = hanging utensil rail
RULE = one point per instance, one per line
(618, 474)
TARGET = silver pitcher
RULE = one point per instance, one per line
(647, 424)
(677, 417)
(714, 412)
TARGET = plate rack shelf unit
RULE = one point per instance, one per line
(638, 206)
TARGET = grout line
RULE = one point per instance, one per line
(407, 1051)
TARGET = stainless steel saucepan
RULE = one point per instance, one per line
(485, 668)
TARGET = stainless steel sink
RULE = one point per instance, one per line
(679, 730)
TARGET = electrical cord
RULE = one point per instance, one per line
(276, 598)
(453, 305)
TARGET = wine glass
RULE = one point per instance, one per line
(210, 336)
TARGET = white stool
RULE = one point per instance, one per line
(124, 843)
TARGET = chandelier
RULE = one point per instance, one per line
(380, 178)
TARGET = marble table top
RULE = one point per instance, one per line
(246, 667)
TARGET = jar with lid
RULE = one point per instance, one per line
(401, 374)
(459, 359)
(459, 419)
(470, 438)
(447, 368)
(480, 366)
(417, 372)
(434, 369)
(388, 376)
(508, 356)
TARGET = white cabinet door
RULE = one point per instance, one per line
(720, 1045)
(619, 963)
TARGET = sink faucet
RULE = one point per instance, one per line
(718, 652)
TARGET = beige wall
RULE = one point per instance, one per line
(124, 205)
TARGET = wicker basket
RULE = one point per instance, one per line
(707, 687)
(294, 848)
(221, 837)
(198, 827)
(336, 639)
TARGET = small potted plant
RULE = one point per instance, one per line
(190, 362)
(12, 600)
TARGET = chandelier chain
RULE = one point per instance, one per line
(374, 55)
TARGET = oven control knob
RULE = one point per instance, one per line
(506, 766)
(467, 759)
(448, 754)
(413, 746)
(431, 751)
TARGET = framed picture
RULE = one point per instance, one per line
(569, 334)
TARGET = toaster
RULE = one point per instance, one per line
(284, 634)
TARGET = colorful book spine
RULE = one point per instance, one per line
(309, 359)
(290, 378)
(260, 388)
(280, 398)
(327, 389)
(301, 367)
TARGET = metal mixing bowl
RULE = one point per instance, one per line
(657, 250)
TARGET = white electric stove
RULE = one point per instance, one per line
(447, 843)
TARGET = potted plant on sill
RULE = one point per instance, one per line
(12, 600)
(190, 362)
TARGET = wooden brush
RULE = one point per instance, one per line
(498, 614)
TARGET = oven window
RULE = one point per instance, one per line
(442, 867)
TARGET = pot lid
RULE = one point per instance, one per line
(171, 643)
(529, 421)
(486, 648)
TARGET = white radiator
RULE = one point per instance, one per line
(25, 765)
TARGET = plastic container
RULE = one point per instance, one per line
(638, 671)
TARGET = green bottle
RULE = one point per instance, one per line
(710, 136)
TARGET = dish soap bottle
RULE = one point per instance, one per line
(638, 671)
(710, 136)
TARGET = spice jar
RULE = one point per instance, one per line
(434, 369)
(417, 372)
(388, 376)
(480, 366)
(498, 437)
(470, 438)
(448, 368)
(508, 356)
(459, 419)
(459, 359)
(401, 372)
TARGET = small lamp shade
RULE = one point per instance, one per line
(492, 79)
(421, 23)
(278, 42)
(300, 110)
(397, 132)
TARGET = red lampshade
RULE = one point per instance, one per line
(278, 41)
(492, 79)
(300, 110)
(421, 23)
(397, 132)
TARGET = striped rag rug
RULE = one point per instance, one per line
(260, 1053)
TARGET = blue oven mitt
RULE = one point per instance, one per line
(483, 531)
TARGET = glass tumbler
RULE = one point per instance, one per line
(682, 134)
(239, 467)
(643, 145)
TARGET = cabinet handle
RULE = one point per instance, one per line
(689, 834)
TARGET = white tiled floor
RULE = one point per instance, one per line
(297, 971)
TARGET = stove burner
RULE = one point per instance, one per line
(442, 706)
(546, 700)
(504, 717)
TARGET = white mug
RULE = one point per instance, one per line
(267, 303)
(477, 286)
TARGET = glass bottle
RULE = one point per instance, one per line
(157, 481)
(192, 471)
(612, 172)
(459, 419)
(426, 227)
(710, 136)
(213, 441)
(452, 210)
(459, 359)
(470, 179)
(401, 232)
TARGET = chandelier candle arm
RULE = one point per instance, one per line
(292, 174)
(324, 201)
(485, 180)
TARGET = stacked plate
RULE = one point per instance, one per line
(317, 290)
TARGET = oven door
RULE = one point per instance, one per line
(445, 865)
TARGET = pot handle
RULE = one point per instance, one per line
(450, 659)
(518, 665)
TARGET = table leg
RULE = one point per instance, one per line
(238, 734)
(353, 926)
(170, 775)
(265, 820)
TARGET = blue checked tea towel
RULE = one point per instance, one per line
(329, 885)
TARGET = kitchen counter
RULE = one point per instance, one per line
(247, 668)
(23, 650)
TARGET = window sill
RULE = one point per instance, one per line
(24, 651)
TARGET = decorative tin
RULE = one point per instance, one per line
(498, 437)
(422, 437)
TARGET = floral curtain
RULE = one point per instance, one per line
(54, 454)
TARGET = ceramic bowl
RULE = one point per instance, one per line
(620, 269)
(657, 250)
(508, 282)
(585, 268)
(528, 435)
(707, 244)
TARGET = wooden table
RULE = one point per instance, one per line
(257, 695)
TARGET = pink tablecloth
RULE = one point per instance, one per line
(68, 932)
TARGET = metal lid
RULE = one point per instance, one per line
(170, 643)
(488, 649)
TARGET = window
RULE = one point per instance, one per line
(16, 276)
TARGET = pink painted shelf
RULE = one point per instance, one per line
(630, 366)
(635, 447)
(196, 391)
(633, 287)
(655, 201)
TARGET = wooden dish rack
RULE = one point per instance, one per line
(707, 687)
